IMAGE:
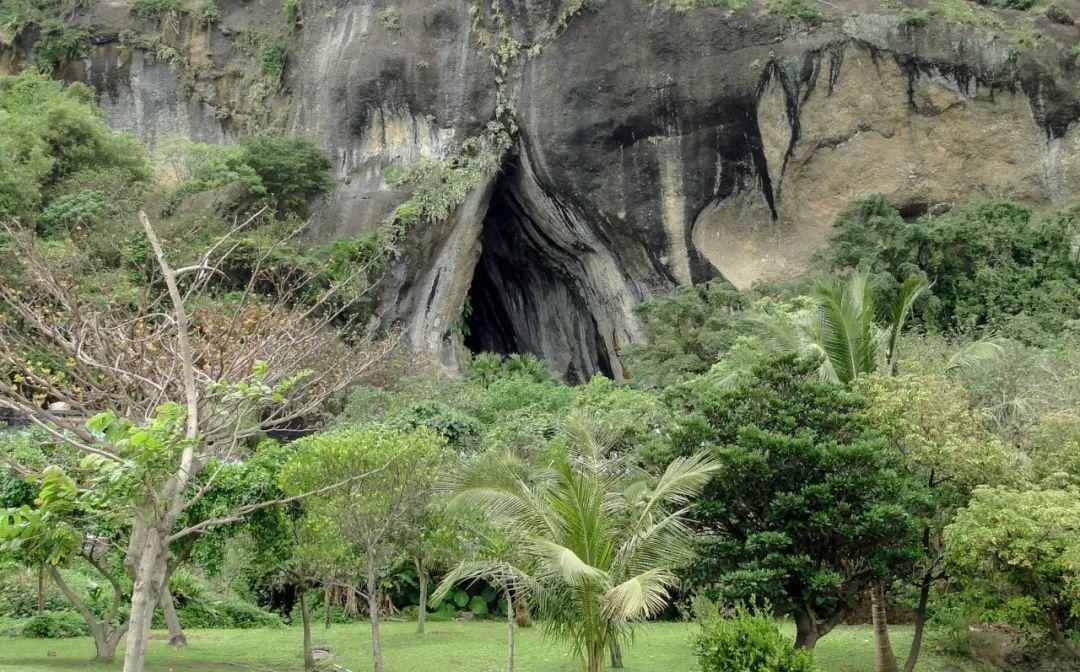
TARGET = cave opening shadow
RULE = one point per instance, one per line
(528, 289)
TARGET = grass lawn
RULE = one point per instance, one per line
(447, 647)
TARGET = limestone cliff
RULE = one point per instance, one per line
(652, 143)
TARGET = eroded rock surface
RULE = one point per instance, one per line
(651, 147)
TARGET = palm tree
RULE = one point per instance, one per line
(514, 583)
(847, 331)
(848, 335)
(599, 538)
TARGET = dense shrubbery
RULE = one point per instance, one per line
(55, 625)
(288, 171)
(51, 136)
(746, 640)
(231, 613)
(996, 267)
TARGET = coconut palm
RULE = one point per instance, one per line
(847, 330)
(599, 540)
(851, 340)
(508, 578)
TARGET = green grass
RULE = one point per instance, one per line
(447, 647)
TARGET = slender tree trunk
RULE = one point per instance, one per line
(421, 613)
(616, 655)
(41, 589)
(521, 614)
(509, 632)
(172, 619)
(305, 616)
(595, 652)
(373, 613)
(806, 631)
(920, 622)
(149, 577)
(326, 608)
(884, 658)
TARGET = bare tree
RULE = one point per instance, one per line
(258, 360)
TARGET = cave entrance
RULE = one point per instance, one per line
(530, 292)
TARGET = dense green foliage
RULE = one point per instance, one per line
(1018, 553)
(790, 448)
(995, 267)
(52, 142)
(746, 640)
(55, 625)
(288, 171)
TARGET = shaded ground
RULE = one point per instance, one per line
(448, 647)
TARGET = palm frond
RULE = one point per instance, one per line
(560, 561)
(913, 288)
(846, 325)
(501, 575)
(682, 480)
(587, 444)
(976, 355)
(640, 596)
(664, 543)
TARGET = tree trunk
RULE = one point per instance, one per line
(327, 616)
(884, 659)
(172, 620)
(806, 631)
(373, 614)
(106, 648)
(421, 613)
(305, 616)
(41, 589)
(521, 614)
(595, 656)
(106, 637)
(149, 577)
(509, 632)
(920, 622)
(616, 655)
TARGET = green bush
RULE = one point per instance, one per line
(55, 625)
(462, 431)
(479, 606)
(18, 591)
(272, 57)
(1021, 5)
(153, 9)
(286, 170)
(800, 10)
(291, 169)
(49, 132)
(995, 266)
(83, 208)
(60, 43)
(229, 613)
(747, 640)
(209, 12)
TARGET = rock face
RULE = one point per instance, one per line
(651, 147)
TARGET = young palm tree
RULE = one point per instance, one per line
(848, 335)
(515, 584)
(847, 331)
(599, 539)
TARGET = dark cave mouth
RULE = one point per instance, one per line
(529, 289)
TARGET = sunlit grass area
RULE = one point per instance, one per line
(447, 647)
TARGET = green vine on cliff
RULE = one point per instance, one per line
(58, 42)
(441, 185)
